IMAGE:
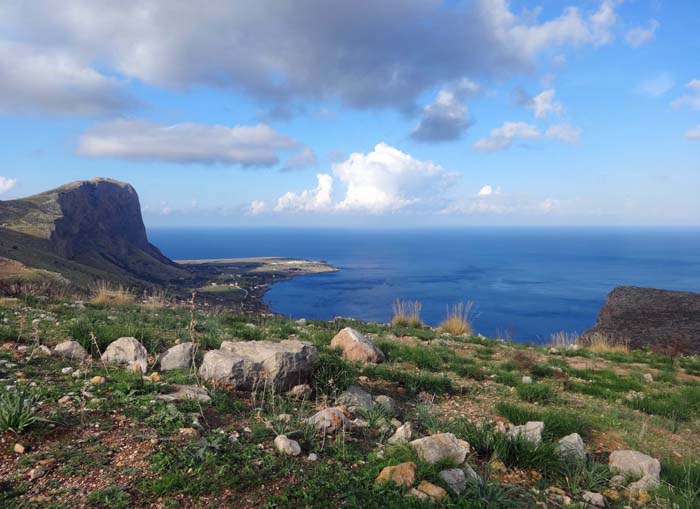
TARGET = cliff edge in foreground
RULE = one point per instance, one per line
(667, 321)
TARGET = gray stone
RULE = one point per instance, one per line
(592, 500)
(527, 379)
(249, 364)
(470, 475)
(572, 447)
(357, 347)
(454, 480)
(330, 420)
(634, 463)
(177, 357)
(301, 391)
(530, 431)
(127, 351)
(440, 447)
(287, 446)
(402, 435)
(389, 403)
(648, 378)
(355, 399)
(71, 350)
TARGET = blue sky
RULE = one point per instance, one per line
(395, 113)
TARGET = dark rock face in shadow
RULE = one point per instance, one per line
(664, 320)
(95, 223)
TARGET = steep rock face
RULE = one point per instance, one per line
(667, 321)
(95, 223)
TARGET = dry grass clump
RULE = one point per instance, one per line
(157, 299)
(406, 313)
(457, 320)
(103, 294)
(563, 339)
(603, 344)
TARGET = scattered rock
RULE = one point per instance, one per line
(455, 480)
(591, 500)
(127, 351)
(19, 448)
(330, 420)
(245, 364)
(97, 380)
(403, 434)
(389, 404)
(634, 463)
(183, 392)
(177, 357)
(648, 378)
(42, 350)
(71, 350)
(355, 399)
(572, 447)
(188, 432)
(558, 495)
(527, 379)
(403, 474)
(301, 391)
(287, 446)
(426, 490)
(65, 400)
(470, 475)
(440, 447)
(67, 370)
(530, 431)
(36, 473)
(312, 457)
(357, 347)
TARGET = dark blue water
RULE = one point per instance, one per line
(525, 283)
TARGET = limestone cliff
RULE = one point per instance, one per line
(85, 230)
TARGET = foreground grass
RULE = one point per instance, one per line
(116, 445)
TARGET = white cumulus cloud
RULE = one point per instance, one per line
(256, 208)
(387, 179)
(502, 137)
(641, 35)
(318, 199)
(544, 104)
(691, 99)
(257, 145)
(7, 184)
(564, 132)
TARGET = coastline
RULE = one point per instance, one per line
(241, 283)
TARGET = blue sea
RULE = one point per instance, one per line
(525, 283)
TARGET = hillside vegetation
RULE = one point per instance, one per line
(91, 434)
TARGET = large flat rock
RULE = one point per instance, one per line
(667, 321)
(249, 364)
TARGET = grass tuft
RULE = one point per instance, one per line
(16, 411)
(106, 295)
(407, 314)
(457, 320)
